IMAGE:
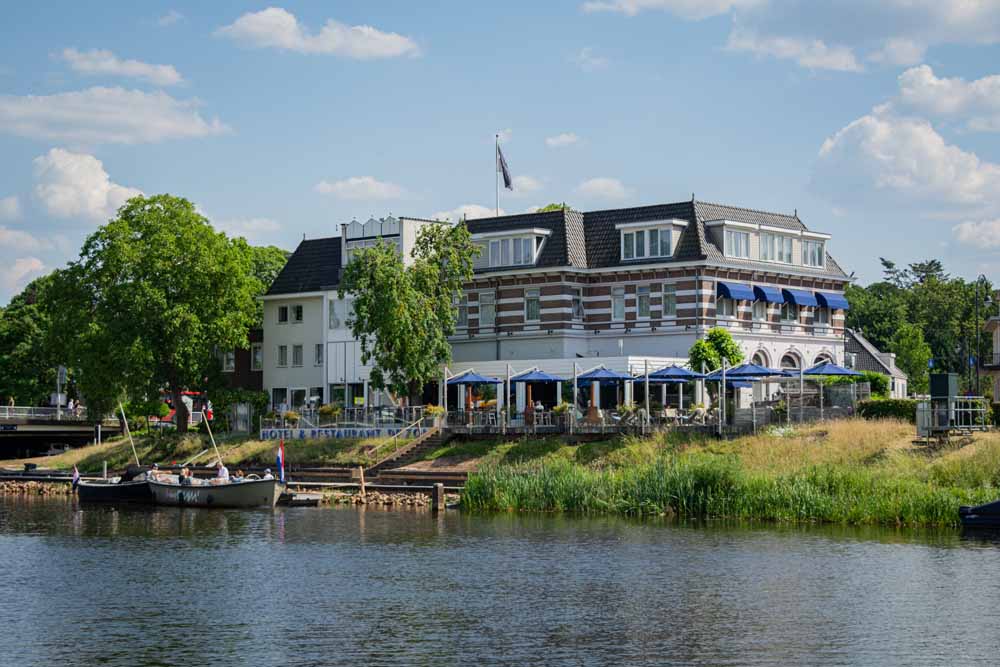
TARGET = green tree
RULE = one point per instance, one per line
(709, 352)
(554, 207)
(405, 312)
(153, 294)
(876, 311)
(912, 354)
(27, 360)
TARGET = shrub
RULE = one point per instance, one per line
(434, 410)
(330, 411)
(889, 408)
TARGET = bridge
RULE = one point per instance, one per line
(28, 430)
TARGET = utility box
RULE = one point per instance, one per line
(944, 385)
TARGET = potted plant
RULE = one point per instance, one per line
(291, 418)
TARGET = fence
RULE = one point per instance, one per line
(29, 412)
(367, 417)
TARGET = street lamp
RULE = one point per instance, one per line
(980, 279)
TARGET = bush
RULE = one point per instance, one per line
(434, 411)
(329, 411)
(878, 382)
(291, 416)
(889, 408)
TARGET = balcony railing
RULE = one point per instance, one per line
(991, 361)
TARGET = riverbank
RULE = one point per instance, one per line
(852, 472)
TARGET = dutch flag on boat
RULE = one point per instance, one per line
(280, 462)
(76, 477)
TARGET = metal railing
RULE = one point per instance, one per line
(384, 416)
(30, 412)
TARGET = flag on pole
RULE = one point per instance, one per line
(503, 169)
(76, 477)
(280, 462)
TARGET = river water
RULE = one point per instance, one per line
(318, 586)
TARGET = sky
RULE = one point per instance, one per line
(878, 121)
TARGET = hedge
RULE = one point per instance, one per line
(889, 408)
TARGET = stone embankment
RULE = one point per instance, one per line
(35, 488)
(379, 499)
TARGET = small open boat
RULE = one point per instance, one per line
(249, 493)
(114, 490)
(986, 516)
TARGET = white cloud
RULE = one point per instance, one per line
(73, 185)
(103, 62)
(562, 139)
(252, 229)
(983, 234)
(10, 208)
(170, 18)
(364, 188)
(811, 54)
(688, 9)
(105, 115)
(977, 102)
(841, 34)
(603, 188)
(15, 276)
(467, 211)
(277, 28)
(906, 158)
(589, 62)
(526, 185)
(21, 240)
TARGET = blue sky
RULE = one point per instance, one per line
(878, 121)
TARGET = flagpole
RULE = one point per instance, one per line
(496, 171)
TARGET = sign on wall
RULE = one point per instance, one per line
(340, 433)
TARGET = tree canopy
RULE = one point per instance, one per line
(28, 358)
(708, 352)
(404, 312)
(155, 292)
(554, 207)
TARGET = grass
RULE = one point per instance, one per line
(852, 472)
(235, 450)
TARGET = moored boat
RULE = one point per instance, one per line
(986, 516)
(113, 491)
(245, 494)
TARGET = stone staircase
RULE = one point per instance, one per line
(411, 451)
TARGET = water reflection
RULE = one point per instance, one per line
(309, 586)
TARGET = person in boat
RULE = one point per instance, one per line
(267, 474)
(238, 477)
(185, 478)
(221, 471)
(152, 472)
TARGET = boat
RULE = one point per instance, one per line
(245, 494)
(980, 516)
(114, 490)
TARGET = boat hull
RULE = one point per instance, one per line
(254, 493)
(100, 491)
(980, 516)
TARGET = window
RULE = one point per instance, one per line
(617, 304)
(642, 301)
(494, 253)
(642, 243)
(532, 305)
(334, 320)
(505, 252)
(282, 314)
(760, 311)
(512, 252)
(775, 248)
(812, 253)
(823, 316)
(318, 354)
(577, 303)
(487, 309)
(462, 319)
(228, 361)
(279, 396)
(725, 307)
(282, 355)
(737, 244)
(256, 357)
(789, 312)
(297, 313)
(669, 300)
(790, 362)
(296, 355)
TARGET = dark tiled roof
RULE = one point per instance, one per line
(556, 252)
(314, 266)
(868, 357)
(707, 212)
(603, 247)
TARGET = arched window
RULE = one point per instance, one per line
(760, 358)
(823, 358)
(790, 362)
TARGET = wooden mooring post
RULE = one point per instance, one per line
(361, 481)
(437, 498)
(104, 474)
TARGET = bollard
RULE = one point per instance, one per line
(105, 473)
(361, 480)
(437, 498)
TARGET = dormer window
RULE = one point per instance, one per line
(510, 248)
(775, 248)
(648, 239)
(737, 244)
(813, 253)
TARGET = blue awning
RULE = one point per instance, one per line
(768, 294)
(737, 291)
(830, 300)
(799, 297)
(472, 377)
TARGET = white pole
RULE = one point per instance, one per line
(507, 390)
(208, 425)
(801, 389)
(128, 432)
(722, 396)
(496, 170)
(680, 409)
(646, 389)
